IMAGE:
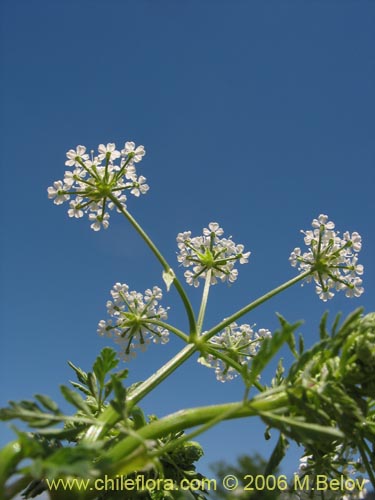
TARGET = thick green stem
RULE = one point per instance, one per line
(202, 310)
(220, 326)
(203, 428)
(110, 416)
(186, 419)
(163, 262)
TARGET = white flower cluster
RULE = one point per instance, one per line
(333, 259)
(93, 180)
(209, 251)
(237, 342)
(135, 319)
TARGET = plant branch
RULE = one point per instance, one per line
(220, 326)
(163, 262)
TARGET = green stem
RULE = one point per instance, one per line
(220, 355)
(122, 170)
(231, 362)
(220, 326)
(185, 419)
(163, 262)
(202, 310)
(110, 416)
(171, 328)
(226, 415)
(92, 173)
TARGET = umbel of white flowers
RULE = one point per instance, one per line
(93, 179)
(333, 259)
(239, 343)
(210, 252)
(134, 319)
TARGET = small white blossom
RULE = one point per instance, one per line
(75, 210)
(99, 221)
(331, 259)
(57, 193)
(104, 328)
(134, 319)
(75, 155)
(304, 463)
(98, 186)
(110, 150)
(213, 228)
(137, 152)
(139, 186)
(210, 252)
(239, 343)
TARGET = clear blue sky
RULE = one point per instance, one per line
(256, 114)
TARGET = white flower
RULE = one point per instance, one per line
(210, 252)
(99, 221)
(75, 155)
(137, 152)
(214, 229)
(140, 187)
(104, 328)
(110, 150)
(304, 463)
(57, 193)
(75, 210)
(69, 178)
(118, 291)
(331, 259)
(98, 187)
(136, 319)
(239, 343)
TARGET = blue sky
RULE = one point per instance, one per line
(258, 115)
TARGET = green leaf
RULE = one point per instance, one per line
(301, 344)
(68, 434)
(10, 456)
(269, 347)
(349, 322)
(138, 417)
(75, 461)
(30, 412)
(309, 431)
(81, 388)
(104, 363)
(120, 396)
(81, 375)
(75, 399)
(323, 326)
(92, 384)
(47, 402)
(168, 278)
